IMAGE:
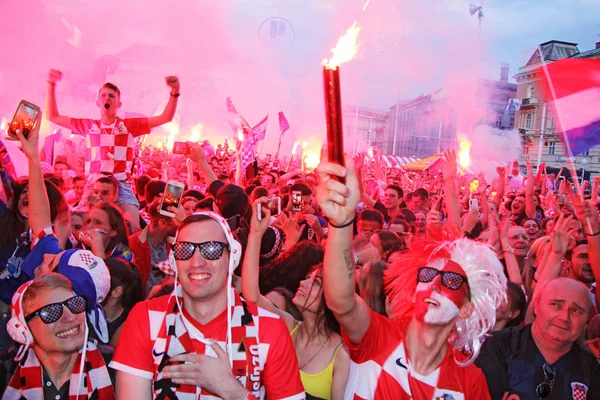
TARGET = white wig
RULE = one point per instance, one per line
(487, 289)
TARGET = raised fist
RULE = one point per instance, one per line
(173, 83)
(54, 76)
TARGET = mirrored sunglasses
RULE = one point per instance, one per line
(208, 250)
(53, 312)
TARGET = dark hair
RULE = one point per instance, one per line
(290, 307)
(543, 224)
(110, 181)
(516, 301)
(302, 187)
(153, 189)
(273, 180)
(401, 221)
(326, 321)
(249, 189)
(196, 175)
(140, 184)
(117, 223)
(222, 177)
(290, 267)
(13, 224)
(111, 86)
(388, 240)
(260, 192)
(397, 188)
(569, 253)
(78, 178)
(63, 163)
(371, 287)
(206, 204)
(193, 193)
(127, 276)
(421, 193)
(371, 215)
(56, 179)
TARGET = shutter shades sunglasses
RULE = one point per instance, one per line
(53, 312)
(208, 250)
(451, 280)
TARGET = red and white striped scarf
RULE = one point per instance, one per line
(27, 381)
(177, 336)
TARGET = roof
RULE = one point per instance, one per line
(552, 51)
(594, 53)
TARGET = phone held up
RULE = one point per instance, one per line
(171, 197)
(274, 204)
(296, 201)
(181, 148)
(24, 118)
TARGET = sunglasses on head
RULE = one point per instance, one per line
(544, 389)
(208, 250)
(451, 280)
(53, 312)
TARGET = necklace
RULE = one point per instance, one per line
(313, 357)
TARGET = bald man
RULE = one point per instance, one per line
(542, 360)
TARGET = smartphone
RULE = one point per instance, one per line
(171, 197)
(274, 204)
(234, 222)
(296, 200)
(26, 115)
(181, 148)
(473, 205)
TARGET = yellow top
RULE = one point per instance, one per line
(319, 385)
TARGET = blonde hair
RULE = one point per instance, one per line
(42, 283)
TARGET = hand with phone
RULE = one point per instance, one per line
(274, 206)
(30, 143)
(24, 120)
(258, 226)
(171, 198)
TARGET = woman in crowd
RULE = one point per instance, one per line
(323, 360)
(106, 233)
(125, 292)
(384, 242)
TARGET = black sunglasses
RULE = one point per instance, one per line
(53, 312)
(451, 280)
(208, 250)
(544, 389)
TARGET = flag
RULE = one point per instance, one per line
(575, 85)
(283, 124)
(236, 121)
(260, 130)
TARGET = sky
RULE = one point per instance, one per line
(407, 48)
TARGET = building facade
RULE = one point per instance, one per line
(536, 119)
(364, 128)
(428, 124)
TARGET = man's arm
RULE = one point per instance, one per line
(52, 113)
(501, 185)
(169, 112)
(129, 386)
(197, 155)
(452, 205)
(338, 202)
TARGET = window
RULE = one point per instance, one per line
(498, 120)
(512, 122)
(528, 121)
(586, 153)
(551, 148)
(530, 91)
(526, 149)
(549, 120)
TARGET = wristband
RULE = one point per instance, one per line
(52, 83)
(344, 225)
(176, 94)
(593, 234)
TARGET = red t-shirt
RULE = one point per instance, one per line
(280, 375)
(380, 369)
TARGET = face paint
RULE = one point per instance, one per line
(434, 302)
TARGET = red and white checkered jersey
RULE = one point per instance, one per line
(380, 369)
(109, 148)
(280, 377)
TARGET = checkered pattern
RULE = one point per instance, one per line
(110, 148)
(27, 381)
(381, 369)
(177, 337)
(579, 391)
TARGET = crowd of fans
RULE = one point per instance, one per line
(367, 283)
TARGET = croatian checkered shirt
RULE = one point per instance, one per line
(381, 369)
(109, 148)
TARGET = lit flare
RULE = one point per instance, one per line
(345, 49)
(464, 152)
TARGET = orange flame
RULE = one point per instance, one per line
(464, 152)
(295, 148)
(312, 160)
(240, 135)
(345, 49)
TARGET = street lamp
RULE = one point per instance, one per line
(584, 162)
(475, 9)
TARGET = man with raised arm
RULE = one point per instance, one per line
(110, 140)
(445, 288)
